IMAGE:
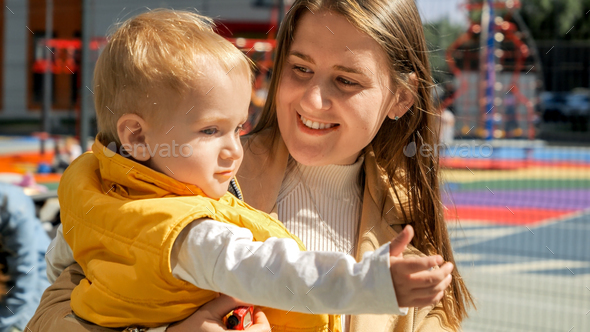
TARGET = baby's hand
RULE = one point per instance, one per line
(416, 281)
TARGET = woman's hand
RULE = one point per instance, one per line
(209, 318)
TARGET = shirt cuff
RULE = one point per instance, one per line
(159, 329)
(385, 274)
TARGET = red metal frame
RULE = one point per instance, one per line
(522, 52)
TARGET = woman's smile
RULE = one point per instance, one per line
(315, 128)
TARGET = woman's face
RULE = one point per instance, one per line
(334, 92)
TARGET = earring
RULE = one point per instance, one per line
(396, 118)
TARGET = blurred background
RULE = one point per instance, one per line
(512, 88)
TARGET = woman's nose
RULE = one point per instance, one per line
(316, 98)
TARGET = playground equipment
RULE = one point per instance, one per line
(495, 73)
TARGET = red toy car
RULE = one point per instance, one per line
(240, 318)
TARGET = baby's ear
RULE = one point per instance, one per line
(405, 98)
(132, 129)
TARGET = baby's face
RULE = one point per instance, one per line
(203, 134)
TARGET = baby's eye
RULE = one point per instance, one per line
(209, 131)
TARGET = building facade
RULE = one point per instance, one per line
(22, 36)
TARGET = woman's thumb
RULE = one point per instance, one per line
(261, 323)
(399, 244)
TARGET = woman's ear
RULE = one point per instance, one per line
(405, 98)
(132, 129)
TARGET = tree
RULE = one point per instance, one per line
(557, 19)
(550, 19)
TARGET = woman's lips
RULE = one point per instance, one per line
(315, 128)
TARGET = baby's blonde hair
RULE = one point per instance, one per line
(150, 60)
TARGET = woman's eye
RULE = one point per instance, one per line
(209, 131)
(239, 129)
(302, 69)
(347, 82)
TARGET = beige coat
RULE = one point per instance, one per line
(260, 179)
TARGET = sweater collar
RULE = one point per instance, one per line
(337, 181)
(129, 178)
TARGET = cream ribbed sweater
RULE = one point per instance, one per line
(322, 206)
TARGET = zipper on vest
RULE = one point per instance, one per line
(414, 320)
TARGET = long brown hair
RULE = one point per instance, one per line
(396, 26)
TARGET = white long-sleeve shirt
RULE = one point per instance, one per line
(277, 274)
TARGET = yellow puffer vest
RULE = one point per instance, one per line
(121, 220)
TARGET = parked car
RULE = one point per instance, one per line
(553, 106)
(577, 109)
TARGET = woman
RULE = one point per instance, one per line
(351, 89)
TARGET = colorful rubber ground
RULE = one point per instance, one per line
(514, 191)
(19, 155)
